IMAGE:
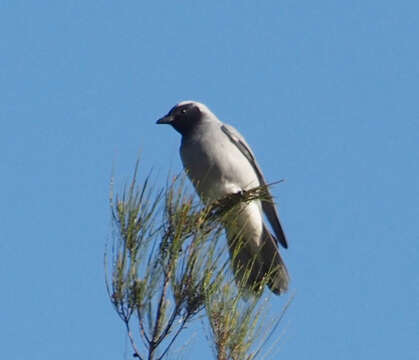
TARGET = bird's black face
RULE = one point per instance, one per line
(182, 117)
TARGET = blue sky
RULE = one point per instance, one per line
(325, 92)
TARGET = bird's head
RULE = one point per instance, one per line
(186, 115)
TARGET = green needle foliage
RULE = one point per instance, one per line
(169, 264)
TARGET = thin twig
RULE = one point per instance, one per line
(145, 338)
(132, 341)
(168, 326)
(154, 343)
(181, 327)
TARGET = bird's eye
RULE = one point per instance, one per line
(183, 111)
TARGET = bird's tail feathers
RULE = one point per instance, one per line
(274, 266)
(255, 268)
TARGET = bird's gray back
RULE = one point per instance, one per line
(214, 164)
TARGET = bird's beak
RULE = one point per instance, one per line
(165, 120)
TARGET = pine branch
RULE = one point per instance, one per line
(170, 264)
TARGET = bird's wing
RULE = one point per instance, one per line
(268, 206)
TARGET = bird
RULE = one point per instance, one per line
(219, 163)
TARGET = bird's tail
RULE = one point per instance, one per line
(273, 264)
(255, 267)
